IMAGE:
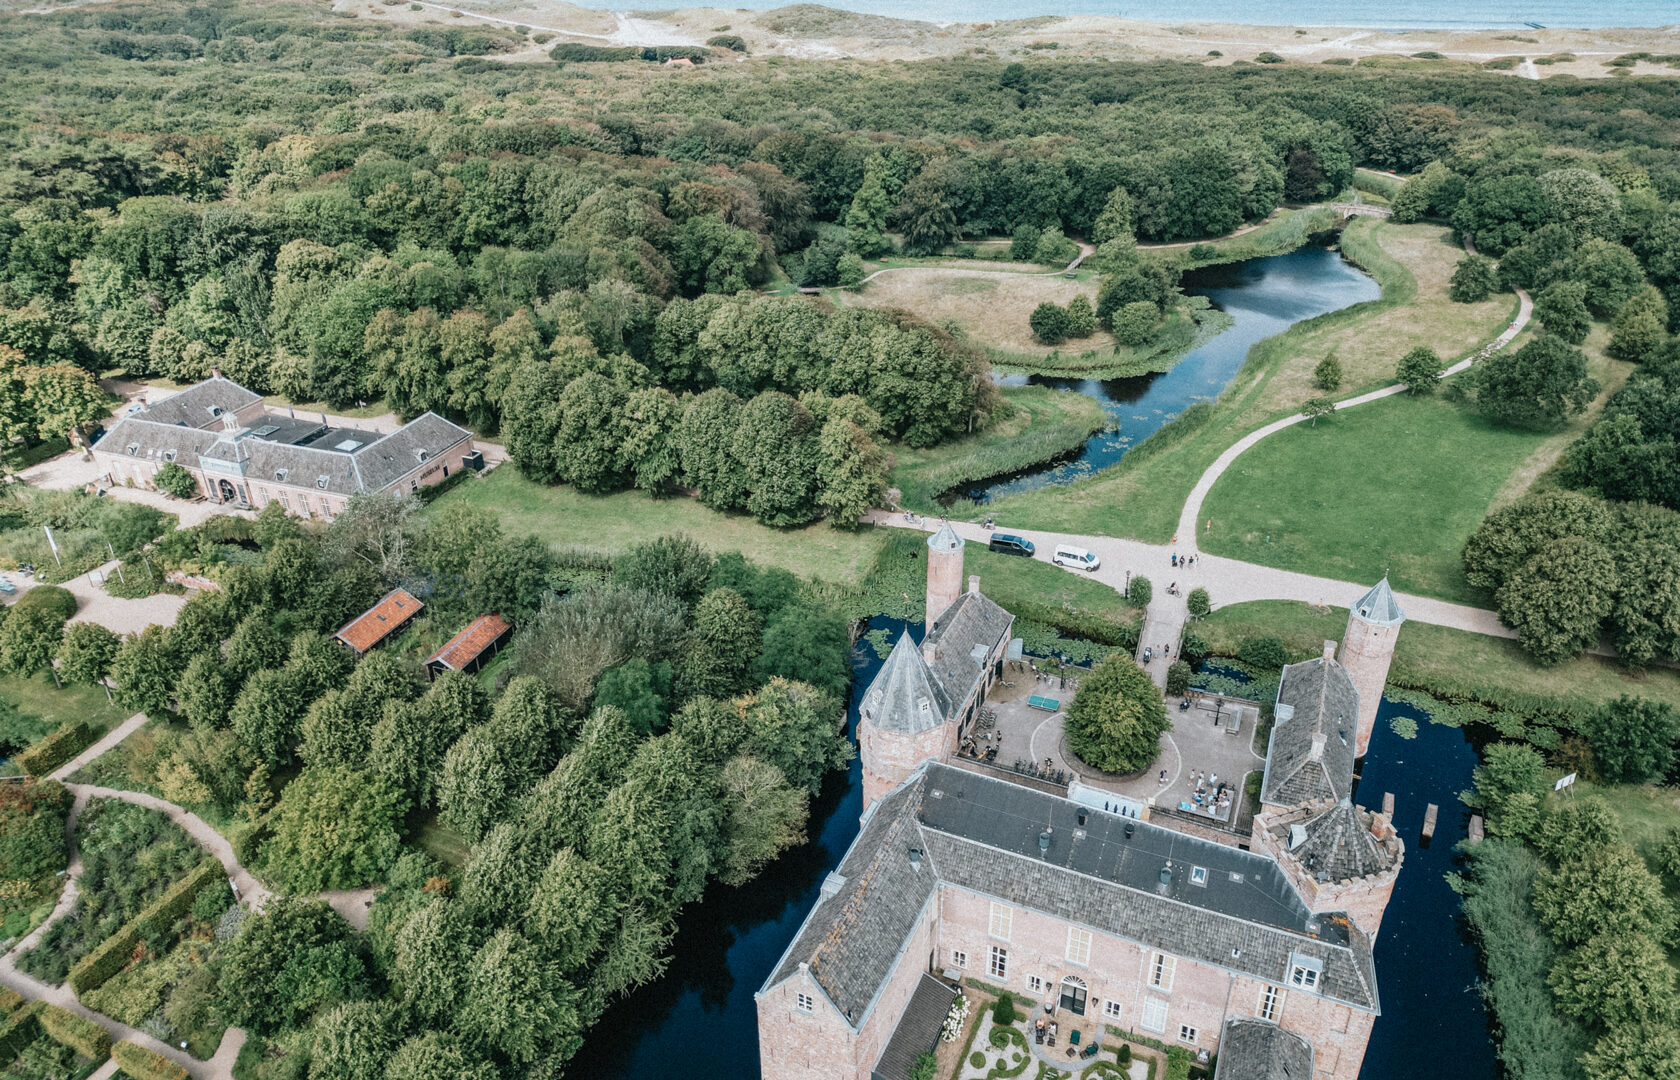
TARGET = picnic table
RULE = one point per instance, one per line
(1038, 701)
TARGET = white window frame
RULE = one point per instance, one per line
(1271, 1003)
(959, 959)
(1003, 918)
(997, 964)
(1199, 876)
(1078, 946)
(1154, 1015)
(1035, 985)
(1111, 1009)
(1161, 968)
(804, 1002)
(1187, 1034)
(1305, 972)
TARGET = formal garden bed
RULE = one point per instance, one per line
(39, 1041)
(32, 853)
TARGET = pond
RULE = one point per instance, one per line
(699, 1020)
(1263, 297)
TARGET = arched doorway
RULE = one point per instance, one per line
(225, 492)
(1073, 995)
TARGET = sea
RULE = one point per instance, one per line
(1367, 14)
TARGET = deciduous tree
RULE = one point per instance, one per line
(1117, 717)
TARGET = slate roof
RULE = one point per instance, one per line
(971, 620)
(982, 834)
(151, 438)
(386, 460)
(853, 935)
(904, 696)
(464, 648)
(918, 1029)
(193, 405)
(946, 539)
(1338, 844)
(380, 621)
(1379, 606)
(1324, 702)
(1251, 1049)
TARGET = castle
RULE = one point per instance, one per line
(1260, 954)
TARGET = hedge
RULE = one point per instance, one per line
(77, 1032)
(56, 599)
(56, 749)
(111, 955)
(144, 1064)
(19, 1030)
(247, 839)
(10, 1001)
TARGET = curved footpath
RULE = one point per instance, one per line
(1232, 581)
(352, 904)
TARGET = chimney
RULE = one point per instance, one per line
(974, 584)
(1317, 747)
(215, 372)
(1329, 650)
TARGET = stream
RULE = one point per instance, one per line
(699, 1019)
(1263, 297)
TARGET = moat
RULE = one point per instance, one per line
(700, 1018)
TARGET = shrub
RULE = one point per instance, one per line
(20, 1029)
(53, 599)
(1268, 57)
(1420, 369)
(1138, 591)
(10, 1001)
(1262, 652)
(1203, 252)
(1199, 602)
(78, 1033)
(1473, 280)
(732, 42)
(1003, 1012)
(32, 818)
(1124, 1055)
(848, 270)
(1328, 374)
(977, 1059)
(1178, 677)
(144, 1064)
(1193, 647)
(56, 749)
(1135, 323)
(176, 481)
(1049, 323)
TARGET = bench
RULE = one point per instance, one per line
(1048, 704)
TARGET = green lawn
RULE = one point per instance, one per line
(1445, 662)
(1015, 582)
(1394, 486)
(564, 517)
(1035, 425)
(32, 708)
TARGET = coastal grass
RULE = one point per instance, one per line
(1141, 497)
(1036, 424)
(1448, 663)
(565, 517)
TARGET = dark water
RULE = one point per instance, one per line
(699, 1021)
(1263, 297)
(1387, 14)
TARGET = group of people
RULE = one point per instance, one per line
(1182, 560)
(1045, 1030)
(1211, 795)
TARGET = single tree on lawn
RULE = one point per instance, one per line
(1420, 369)
(1473, 280)
(1049, 323)
(1117, 717)
(1328, 374)
(1315, 407)
(1540, 385)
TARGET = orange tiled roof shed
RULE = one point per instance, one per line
(380, 621)
(468, 650)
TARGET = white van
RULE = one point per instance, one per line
(1072, 556)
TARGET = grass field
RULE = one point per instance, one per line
(564, 517)
(33, 707)
(1014, 582)
(1395, 486)
(1444, 661)
(1038, 425)
(991, 307)
(1146, 491)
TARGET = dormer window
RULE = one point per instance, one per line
(280, 475)
(169, 455)
(215, 410)
(1304, 972)
(422, 454)
(321, 482)
(133, 449)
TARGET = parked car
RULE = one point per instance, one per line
(1010, 544)
(1067, 555)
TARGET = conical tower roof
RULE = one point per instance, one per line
(1379, 606)
(1336, 843)
(946, 539)
(904, 696)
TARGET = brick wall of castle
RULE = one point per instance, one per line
(889, 757)
(1366, 652)
(1199, 996)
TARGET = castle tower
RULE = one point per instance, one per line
(944, 571)
(1367, 648)
(902, 721)
(1340, 857)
